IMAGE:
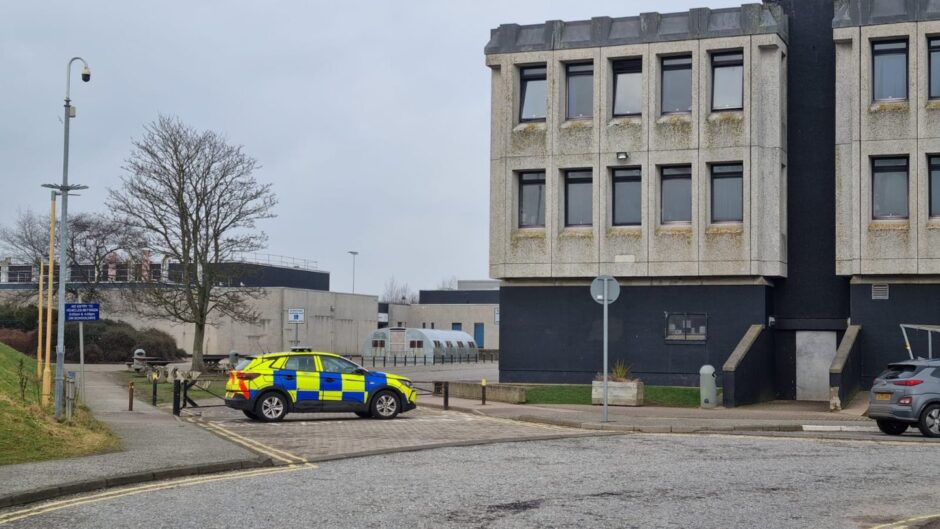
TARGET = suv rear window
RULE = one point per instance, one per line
(899, 372)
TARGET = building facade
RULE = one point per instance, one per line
(655, 149)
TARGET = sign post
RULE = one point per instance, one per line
(605, 290)
(82, 312)
(295, 317)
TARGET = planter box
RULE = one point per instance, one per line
(618, 393)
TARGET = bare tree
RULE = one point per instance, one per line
(447, 283)
(396, 292)
(93, 240)
(195, 202)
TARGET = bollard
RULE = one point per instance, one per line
(446, 395)
(176, 397)
(130, 396)
(425, 359)
(153, 397)
(395, 360)
(383, 360)
(483, 392)
(373, 361)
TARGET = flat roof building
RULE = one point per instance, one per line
(712, 163)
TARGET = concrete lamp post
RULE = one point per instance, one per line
(64, 188)
(354, 254)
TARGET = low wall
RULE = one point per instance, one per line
(495, 392)
(846, 369)
(748, 376)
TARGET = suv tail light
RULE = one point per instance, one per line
(246, 376)
(905, 401)
(908, 382)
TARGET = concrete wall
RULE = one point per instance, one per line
(864, 129)
(334, 322)
(755, 136)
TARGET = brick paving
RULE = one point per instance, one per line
(320, 435)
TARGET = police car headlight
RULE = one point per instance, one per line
(407, 383)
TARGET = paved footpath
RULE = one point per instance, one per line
(155, 445)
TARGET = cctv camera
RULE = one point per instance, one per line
(86, 75)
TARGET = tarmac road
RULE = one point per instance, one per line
(638, 480)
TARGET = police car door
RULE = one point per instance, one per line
(342, 385)
(303, 382)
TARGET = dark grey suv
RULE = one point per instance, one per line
(906, 394)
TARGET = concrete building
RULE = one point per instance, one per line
(658, 149)
(333, 321)
(473, 307)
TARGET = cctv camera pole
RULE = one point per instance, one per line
(63, 238)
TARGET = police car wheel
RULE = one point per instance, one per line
(271, 407)
(385, 405)
(250, 414)
(363, 414)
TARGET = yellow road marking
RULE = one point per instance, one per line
(270, 451)
(900, 524)
(119, 493)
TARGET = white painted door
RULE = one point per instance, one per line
(814, 353)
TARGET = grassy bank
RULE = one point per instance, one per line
(678, 397)
(29, 433)
(143, 388)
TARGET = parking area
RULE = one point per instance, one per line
(327, 436)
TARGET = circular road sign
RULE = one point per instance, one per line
(597, 289)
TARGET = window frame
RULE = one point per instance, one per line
(569, 179)
(686, 337)
(662, 178)
(875, 170)
(635, 176)
(739, 174)
(933, 164)
(568, 75)
(727, 63)
(522, 182)
(907, 65)
(663, 68)
(625, 65)
(524, 78)
(933, 46)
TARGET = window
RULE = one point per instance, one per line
(300, 363)
(677, 84)
(933, 186)
(627, 197)
(332, 364)
(416, 344)
(686, 327)
(473, 346)
(728, 81)
(889, 70)
(889, 188)
(379, 344)
(933, 67)
(450, 345)
(727, 192)
(437, 343)
(432, 324)
(532, 93)
(456, 326)
(531, 200)
(459, 344)
(676, 194)
(628, 87)
(580, 91)
(578, 198)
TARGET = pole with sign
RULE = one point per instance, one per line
(82, 312)
(295, 317)
(605, 290)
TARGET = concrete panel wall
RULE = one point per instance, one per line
(334, 322)
(755, 136)
(443, 315)
(865, 129)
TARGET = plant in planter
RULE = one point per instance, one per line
(621, 389)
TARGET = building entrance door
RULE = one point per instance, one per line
(478, 334)
(814, 353)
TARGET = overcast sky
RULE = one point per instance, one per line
(371, 119)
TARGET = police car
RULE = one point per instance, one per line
(268, 387)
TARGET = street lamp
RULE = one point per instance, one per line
(64, 235)
(354, 254)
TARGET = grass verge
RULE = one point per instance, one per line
(143, 388)
(30, 433)
(671, 396)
